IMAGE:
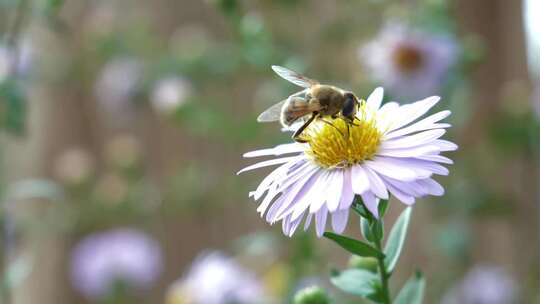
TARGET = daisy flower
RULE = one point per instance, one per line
(386, 152)
(410, 63)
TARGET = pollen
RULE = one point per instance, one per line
(336, 143)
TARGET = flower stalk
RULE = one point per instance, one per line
(385, 289)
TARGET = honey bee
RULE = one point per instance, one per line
(316, 101)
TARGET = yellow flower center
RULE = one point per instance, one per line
(335, 143)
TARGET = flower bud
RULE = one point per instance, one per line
(311, 295)
(366, 263)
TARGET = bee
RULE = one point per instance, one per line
(316, 101)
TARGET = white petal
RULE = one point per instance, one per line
(308, 221)
(347, 194)
(302, 201)
(424, 124)
(385, 115)
(293, 225)
(278, 150)
(382, 166)
(445, 145)
(318, 196)
(436, 158)
(371, 203)
(410, 152)
(376, 185)
(432, 186)
(273, 177)
(422, 168)
(408, 188)
(294, 193)
(311, 195)
(409, 113)
(339, 220)
(375, 99)
(272, 193)
(400, 195)
(334, 190)
(415, 140)
(271, 162)
(294, 176)
(320, 221)
(360, 181)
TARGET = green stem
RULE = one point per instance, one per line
(382, 271)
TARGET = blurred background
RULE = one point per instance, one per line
(123, 123)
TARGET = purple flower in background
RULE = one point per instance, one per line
(215, 278)
(387, 150)
(483, 285)
(410, 63)
(127, 256)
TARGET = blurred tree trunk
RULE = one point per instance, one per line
(499, 23)
(56, 122)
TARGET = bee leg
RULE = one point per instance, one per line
(351, 122)
(331, 124)
(296, 135)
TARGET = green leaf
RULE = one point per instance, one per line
(366, 229)
(354, 246)
(383, 206)
(396, 239)
(377, 229)
(359, 208)
(413, 291)
(357, 282)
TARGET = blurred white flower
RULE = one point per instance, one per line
(125, 256)
(74, 166)
(483, 285)
(216, 279)
(118, 83)
(410, 63)
(170, 93)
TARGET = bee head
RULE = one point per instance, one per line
(349, 106)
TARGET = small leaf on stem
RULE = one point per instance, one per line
(357, 282)
(396, 239)
(413, 291)
(383, 206)
(366, 229)
(354, 246)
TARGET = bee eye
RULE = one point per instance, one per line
(349, 105)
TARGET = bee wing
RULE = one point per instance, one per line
(292, 76)
(273, 113)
